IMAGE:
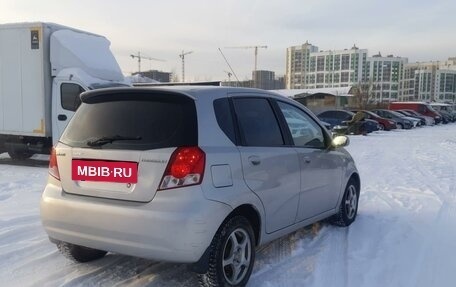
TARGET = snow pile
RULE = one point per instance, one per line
(90, 53)
(405, 234)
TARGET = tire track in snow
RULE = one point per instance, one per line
(290, 260)
(404, 205)
(439, 239)
(5, 195)
(161, 274)
(335, 255)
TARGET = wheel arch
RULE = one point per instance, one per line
(251, 214)
(355, 177)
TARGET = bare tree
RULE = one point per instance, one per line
(363, 94)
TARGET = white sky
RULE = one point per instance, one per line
(419, 30)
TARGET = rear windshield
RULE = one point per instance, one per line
(143, 124)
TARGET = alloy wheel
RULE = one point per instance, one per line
(237, 254)
(351, 202)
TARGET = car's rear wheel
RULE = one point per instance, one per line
(348, 207)
(399, 126)
(232, 254)
(79, 253)
(381, 127)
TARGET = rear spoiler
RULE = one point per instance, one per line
(209, 83)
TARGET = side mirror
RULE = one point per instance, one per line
(340, 141)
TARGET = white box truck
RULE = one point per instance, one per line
(43, 69)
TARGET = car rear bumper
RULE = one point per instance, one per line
(177, 226)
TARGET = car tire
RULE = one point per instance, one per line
(232, 254)
(19, 155)
(348, 208)
(381, 127)
(399, 126)
(78, 253)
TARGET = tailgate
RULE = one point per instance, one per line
(119, 142)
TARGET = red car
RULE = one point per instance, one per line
(385, 124)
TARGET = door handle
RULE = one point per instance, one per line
(255, 160)
(306, 159)
(62, 117)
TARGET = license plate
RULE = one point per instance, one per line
(107, 171)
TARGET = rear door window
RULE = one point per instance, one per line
(258, 123)
(150, 123)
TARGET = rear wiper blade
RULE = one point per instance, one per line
(105, 140)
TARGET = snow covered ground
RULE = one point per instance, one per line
(405, 233)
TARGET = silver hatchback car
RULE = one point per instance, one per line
(197, 175)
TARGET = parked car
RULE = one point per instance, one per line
(199, 175)
(417, 121)
(420, 107)
(446, 112)
(401, 121)
(429, 121)
(384, 124)
(340, 117)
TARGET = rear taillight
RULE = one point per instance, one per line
(185, 167)
(53, 167)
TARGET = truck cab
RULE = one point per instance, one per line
(66, 90)
(44, 68)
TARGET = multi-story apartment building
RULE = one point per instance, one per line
(297, 65)
(308, 68)
(445, 89)
(261, 79)
(163, 77)
(429, 81)
(387, 78)
(384, 75)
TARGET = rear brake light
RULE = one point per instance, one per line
(53, 167)
(185, 167)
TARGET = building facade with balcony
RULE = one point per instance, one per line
(384, 75)
(429, 81)
(309, 68)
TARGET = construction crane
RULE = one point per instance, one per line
(229, 76)
(250, 47)
(182, 56)
(140, 57)
(228, 63)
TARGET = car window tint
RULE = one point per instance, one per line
(347, 117)
(337, 115)
(327, 114)
(158, 122)
(304, 130)
(258, 122)
(224, 118)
